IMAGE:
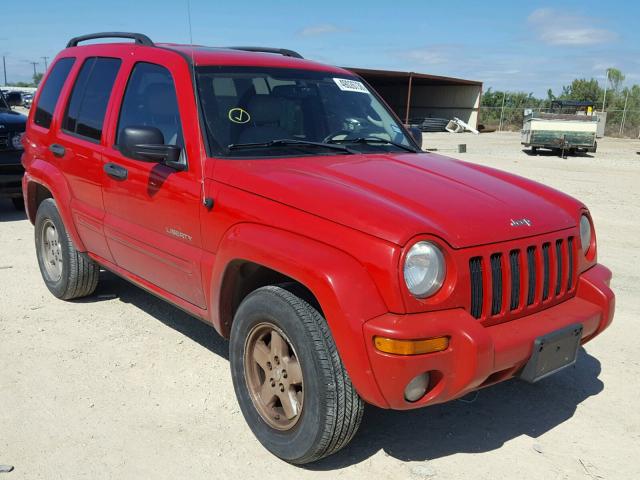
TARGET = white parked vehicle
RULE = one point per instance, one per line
(568, 127)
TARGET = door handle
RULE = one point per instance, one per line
(115, 171)
(57, 150)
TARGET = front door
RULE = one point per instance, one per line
(152, 211)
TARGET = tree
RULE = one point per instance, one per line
(615, 78)
(550, 96)
(583, 90)
(37, 78)
(20, 84)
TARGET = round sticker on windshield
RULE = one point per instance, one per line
(239, 115)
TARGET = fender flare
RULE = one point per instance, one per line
(50, 177)
(346, 293)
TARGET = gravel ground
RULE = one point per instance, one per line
(122, 385)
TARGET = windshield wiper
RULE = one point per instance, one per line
(287, 142)
(375, 140)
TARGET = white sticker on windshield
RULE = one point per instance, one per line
(347, 85)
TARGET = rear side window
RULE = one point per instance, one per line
(90, 96)
(51, 91)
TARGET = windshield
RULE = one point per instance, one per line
(249, 110)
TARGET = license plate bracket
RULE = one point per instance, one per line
(553, 352)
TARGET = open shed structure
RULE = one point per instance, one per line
(418, 95)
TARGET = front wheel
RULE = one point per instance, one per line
(67, 272)
(291, 385)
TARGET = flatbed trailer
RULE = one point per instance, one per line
(561, 132)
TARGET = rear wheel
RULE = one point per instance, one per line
(290, 383)
(67, 272)
(534, 150)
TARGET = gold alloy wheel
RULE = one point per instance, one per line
(274, 376)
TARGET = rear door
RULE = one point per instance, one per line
(152, 218)
(78, 146)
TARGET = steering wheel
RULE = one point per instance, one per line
(329, 138)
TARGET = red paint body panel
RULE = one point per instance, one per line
(340, 225)
(396, 196)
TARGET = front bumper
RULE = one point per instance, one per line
(479, 356)
(11, 172)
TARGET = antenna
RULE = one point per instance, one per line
(207, 202)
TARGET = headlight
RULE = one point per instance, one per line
(424, 269)
(16, 141)
(585, 233)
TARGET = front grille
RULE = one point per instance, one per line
(545, 270)
(535, 274)
(496, 280)
(570, 249)
(559, 266)
(514, 263)
(475, 267)
(531, 268)
(4, 141)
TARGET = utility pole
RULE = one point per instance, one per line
(504, 96)
(606, 84)
(34, 67)
(624, 112)
(45, 63)
(4, 69)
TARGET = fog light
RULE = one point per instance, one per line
(417, 388)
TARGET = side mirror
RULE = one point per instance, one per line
(416, 133)
(147, 144)
(14, 99)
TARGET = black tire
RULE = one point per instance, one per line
(534, 150)
(79, 274)
(332, 409)
(18, 203)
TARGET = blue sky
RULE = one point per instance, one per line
(528, 46)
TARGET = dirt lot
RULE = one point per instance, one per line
(122, 385)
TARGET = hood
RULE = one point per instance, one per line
(12, 121)
(398, 196)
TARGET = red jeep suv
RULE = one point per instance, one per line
(281, 201)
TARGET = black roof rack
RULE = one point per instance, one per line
(139, 38)
(280, 51)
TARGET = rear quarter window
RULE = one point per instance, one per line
(51, 91)
(90, 96)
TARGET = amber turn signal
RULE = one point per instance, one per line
(411, 347)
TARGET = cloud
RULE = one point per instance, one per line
(431, 55)
(323, 29)
(555, 27)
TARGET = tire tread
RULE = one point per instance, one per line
(345, 415)
(82, 278)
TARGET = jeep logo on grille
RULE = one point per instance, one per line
(521, 222)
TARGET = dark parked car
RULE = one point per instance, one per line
(12, 126)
